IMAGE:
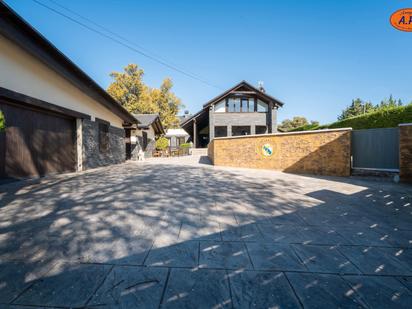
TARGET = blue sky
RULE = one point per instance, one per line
(313, 55)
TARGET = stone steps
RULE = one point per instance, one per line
(199, 151)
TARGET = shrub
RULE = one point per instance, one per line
(186, 145)
(307, 127)
(162, 143)
(2, 122)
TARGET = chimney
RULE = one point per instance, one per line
(260, 86)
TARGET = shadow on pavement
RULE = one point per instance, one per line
(144, 236)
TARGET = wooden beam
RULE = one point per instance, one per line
(22, 99)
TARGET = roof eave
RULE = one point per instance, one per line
(243, 83)
(16, 29)
(193, 117)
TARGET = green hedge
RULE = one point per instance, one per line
(385, 118)
(306, 127)
(185, 145)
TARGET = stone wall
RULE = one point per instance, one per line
(324, 152)
(135, 148)
(211, 151)
(405, 152)
(92, 156)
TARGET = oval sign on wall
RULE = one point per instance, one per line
(267, 150)
(402, 19)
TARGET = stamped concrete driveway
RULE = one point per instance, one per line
(179, 234)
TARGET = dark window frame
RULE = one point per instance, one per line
(247, 129)
(103, 131)
(145, 140)
(242, 108)
(257, 128)
(180, 140)
(219, 128)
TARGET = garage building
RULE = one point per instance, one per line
(57, 118)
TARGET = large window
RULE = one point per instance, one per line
(260, 129)
(240, 130)
(220, 131)
(251, 105)
(244, 105)
(220, 107)
(231, 105)
(261, 106)
(238, 105)
(234, 105)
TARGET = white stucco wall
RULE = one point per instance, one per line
(23, 73)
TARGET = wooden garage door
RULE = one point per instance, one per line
(35, 143)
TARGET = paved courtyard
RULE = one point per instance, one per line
(176, 233)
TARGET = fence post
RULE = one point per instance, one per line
(405, 152)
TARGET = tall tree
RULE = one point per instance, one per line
(357, 107)
(129, 90)
(167, 103)
(391, 102)
(296, 122)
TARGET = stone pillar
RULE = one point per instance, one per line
(79, 144)
(211, 123)
(229, 130)
(194, 133)
(252, 129)
(275, 120)
(405, 152)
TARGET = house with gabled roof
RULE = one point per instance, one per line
(58, 119)
(141, 137)
(241, 110)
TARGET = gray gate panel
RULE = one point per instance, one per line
(375, 148)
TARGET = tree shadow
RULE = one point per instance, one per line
(182, 236)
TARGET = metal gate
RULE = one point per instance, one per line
(376, 149)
